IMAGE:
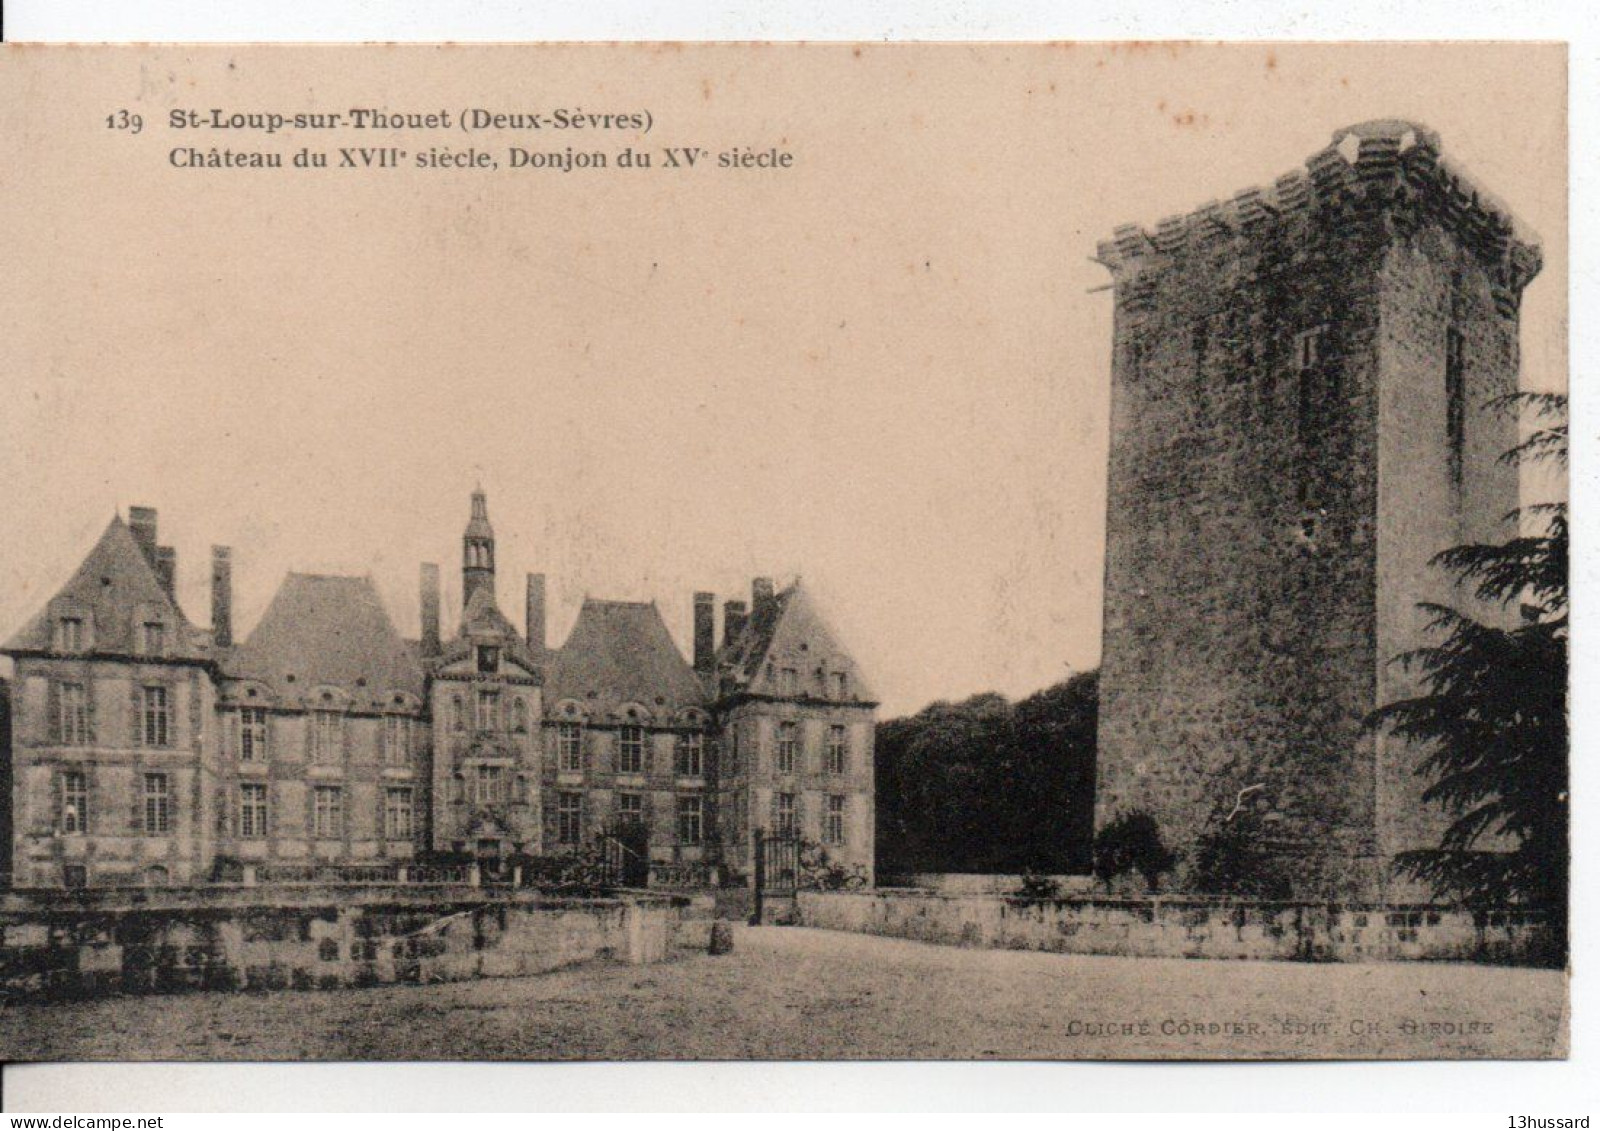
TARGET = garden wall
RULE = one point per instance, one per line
(1187, 928)
(276, 940)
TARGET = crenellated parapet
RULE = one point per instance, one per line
(1387, 170)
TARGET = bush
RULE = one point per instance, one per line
(820, 872)
(1035, 886)
(1132, 842)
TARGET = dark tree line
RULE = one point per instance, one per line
(987, 785)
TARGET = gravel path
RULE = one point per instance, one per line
(789, 993)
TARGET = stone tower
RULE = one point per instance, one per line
(1298, 425)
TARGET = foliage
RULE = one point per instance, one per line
(820, 872)
(986, 785)
(1035, 886)
(1491, 713)
(581, 872)
(1232, 856)
(1131, 842)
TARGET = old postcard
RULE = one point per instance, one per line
(871, 551)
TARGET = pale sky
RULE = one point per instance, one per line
(885, 369)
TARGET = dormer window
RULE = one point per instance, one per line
(841, 686)
(488, 659)
(153, 638)
(69, 634)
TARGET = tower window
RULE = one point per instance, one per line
(690, 755)
(328, 812)
(833, 820)
(569, 747)
(488, 658)
(691, 815)
(157, 804)
(838, 749)
(69, 634)
(397, 814)
(156, 718)
(488, 710)
(252, 734)
(630, 750)
(569, 818)
(153, 638)
(396, 740)
(788, 746)
(490, 785)
(253, 809)
(74, 802)
(74, 714)
(1455, 399)
(327, 737)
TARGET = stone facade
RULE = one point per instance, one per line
(148, 751)
(1298, 426)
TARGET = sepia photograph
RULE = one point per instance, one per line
(779, 552)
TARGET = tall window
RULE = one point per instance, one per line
(396, 740)
(838, 750)
(253, 734)
(458, 714)
(328, 812)
(156, 718)
(153, 638)
(74, 802)
(569, 747)
(157, 804)
(833, 820)
(489, 785)
(630, 750)
(630, 808)
(327, 737)
(1455, 400)
(488, 709)
(253, 809)
(69, 634)
(74, 714)
(691, 814)
(397, 814)
(569, 817)
(788, 746)
(691, 754)
(783, 813)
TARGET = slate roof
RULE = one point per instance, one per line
(327, 631)
(115, 584)
(482, 618)
(622, 652)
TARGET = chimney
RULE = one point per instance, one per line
(142, 522)
(167, 571)
(535, 614)
(762, 596)
(734, 615)
(222, 596)
(705, 631)
(430, 610)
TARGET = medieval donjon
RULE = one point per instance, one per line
(1298, 426)
(149, 751)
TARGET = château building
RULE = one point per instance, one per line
(147, 750)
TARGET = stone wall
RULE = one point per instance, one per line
(252, 940)
(1186, 928)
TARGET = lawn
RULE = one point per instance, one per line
(791, 993)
